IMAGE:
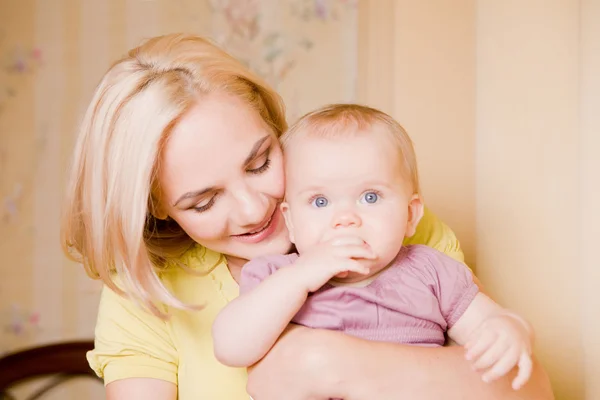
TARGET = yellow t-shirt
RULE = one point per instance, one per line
(131, 343)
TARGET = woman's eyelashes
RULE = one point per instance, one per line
(258, 166)
(204, 206)
(261, 164)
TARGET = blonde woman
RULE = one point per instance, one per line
(176, 182)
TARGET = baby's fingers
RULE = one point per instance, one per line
(355, 252)
(480, 344)
(503, 366)
(355, 266)
(491, 355)
(525, 368)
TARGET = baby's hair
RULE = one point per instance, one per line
(341, 120)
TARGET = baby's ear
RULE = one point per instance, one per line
(285, 210)
(415, 213)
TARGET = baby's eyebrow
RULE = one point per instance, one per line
(311, 189)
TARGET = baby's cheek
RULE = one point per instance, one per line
(388, 246)
(308, 233)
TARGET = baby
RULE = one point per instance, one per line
(352, 196)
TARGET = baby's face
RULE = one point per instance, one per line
(349, 187)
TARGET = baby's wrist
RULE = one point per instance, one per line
(521, 321)
(295, 278)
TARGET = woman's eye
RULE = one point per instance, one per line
(320, 202)
(370, 198)
(261, 165)
(205, 205)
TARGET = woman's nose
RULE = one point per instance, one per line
(251, 207)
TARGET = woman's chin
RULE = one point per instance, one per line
(274, 239)
(277, 245)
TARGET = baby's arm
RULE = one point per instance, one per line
(495, 339)
(246, 329)
(249, 326)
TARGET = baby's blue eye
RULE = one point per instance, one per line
(370, 198)
(320, 202)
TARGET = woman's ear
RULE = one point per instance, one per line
(285, 210)
(415, 213)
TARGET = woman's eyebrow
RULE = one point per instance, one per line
(192, 195)
(255, 149)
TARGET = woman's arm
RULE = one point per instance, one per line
(319, 364)
(392, 371)
(141, 388)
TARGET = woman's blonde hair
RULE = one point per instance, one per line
(338, 120)
(110, 221)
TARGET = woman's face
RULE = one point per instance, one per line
(221, 179)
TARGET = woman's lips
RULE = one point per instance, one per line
(262, 233)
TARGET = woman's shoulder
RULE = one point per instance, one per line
(428, 266)
(434, 233)
(181, 276)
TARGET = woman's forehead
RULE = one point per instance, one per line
(213, 138)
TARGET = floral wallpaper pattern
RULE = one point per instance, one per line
(271, 50)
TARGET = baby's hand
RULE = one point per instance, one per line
(326, 260)
(501, 343)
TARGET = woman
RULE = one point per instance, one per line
(176, 182)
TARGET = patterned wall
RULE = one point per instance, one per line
(53, 53)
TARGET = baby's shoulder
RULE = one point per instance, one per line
(271, 262)
(421, 251)
(420, 255)
(259, 268)
(424, 262)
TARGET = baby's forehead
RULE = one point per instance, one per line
(308, 146)
(302, 139)
(326, 161)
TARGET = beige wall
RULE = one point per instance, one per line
(528, 200)
(512, 90)
(589, 164)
